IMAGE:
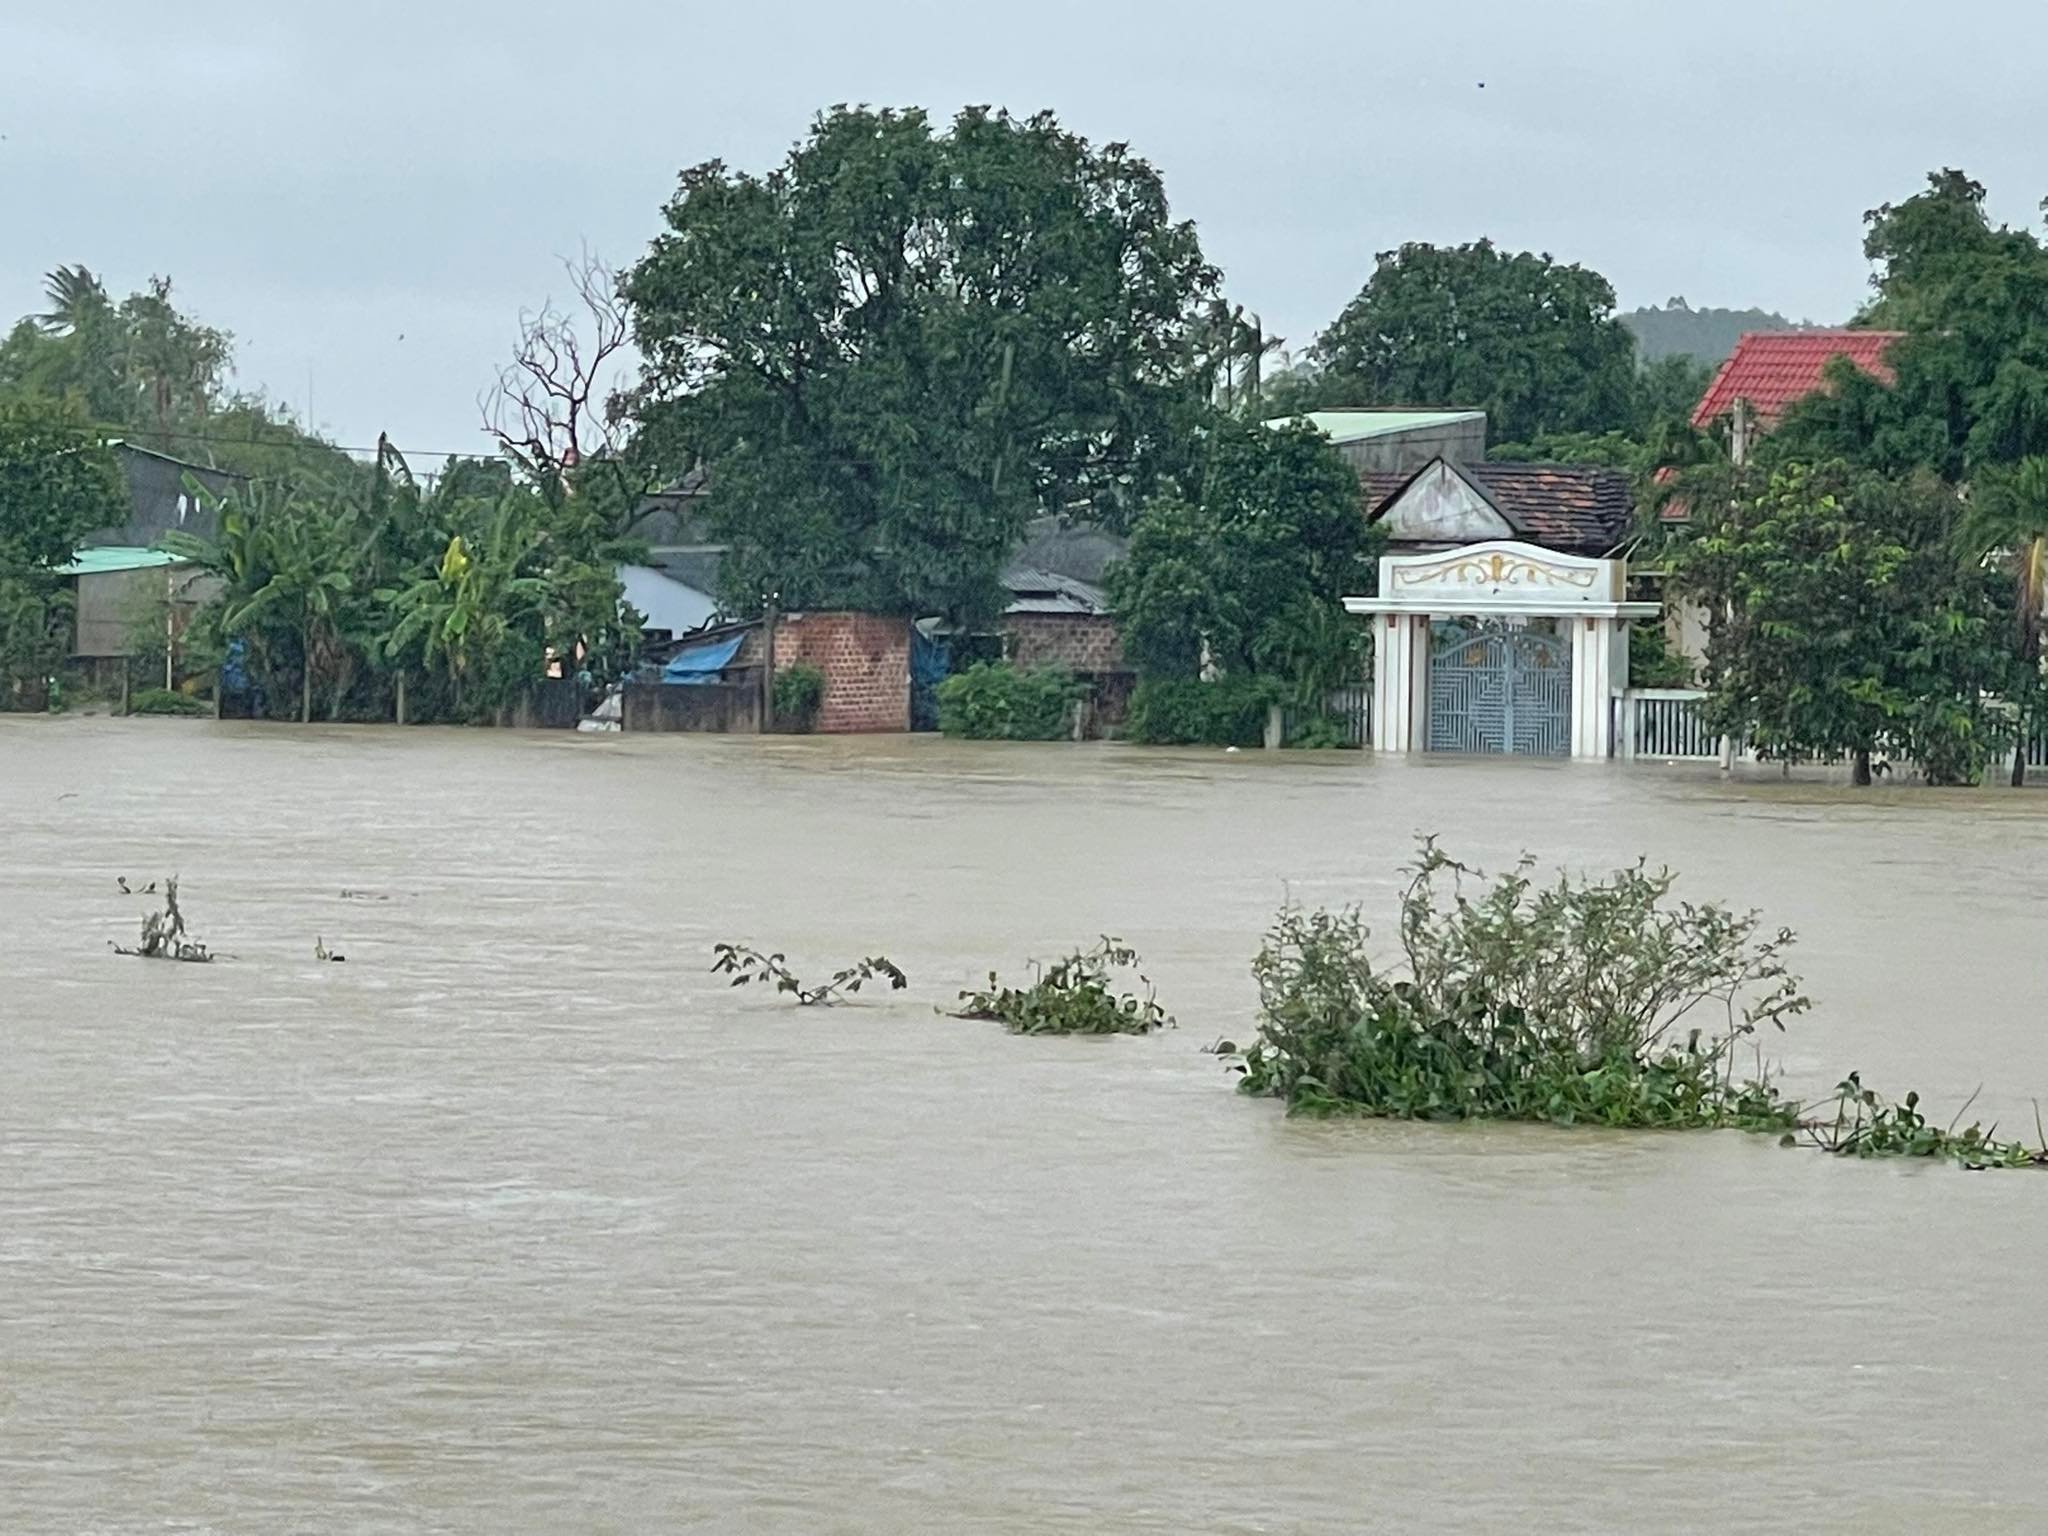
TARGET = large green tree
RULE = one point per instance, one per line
(1248, 575)
(1841, 624)
(1972, 370)
(899, 344)
(1532, 341)
(56, 484)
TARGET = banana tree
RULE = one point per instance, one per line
(479, 594)
(2006, 520)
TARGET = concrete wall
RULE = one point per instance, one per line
(111, 604)
(865, 658)
(1406, 452)
(721, 707)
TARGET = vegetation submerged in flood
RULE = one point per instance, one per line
(163, 933)
(1074, 996)
(1561, 1004)
(749, 967)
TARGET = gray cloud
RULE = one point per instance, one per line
(322, 179)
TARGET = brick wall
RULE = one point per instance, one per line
(866, 661)
(1080, 642)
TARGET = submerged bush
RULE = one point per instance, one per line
(798, 693)
(1560, 1003)
(1074, 996)
(162, 701)
(995, 701)
(1228, 712)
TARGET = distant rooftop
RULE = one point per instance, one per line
(104, 559)
(1358, 423)
(1772, 369)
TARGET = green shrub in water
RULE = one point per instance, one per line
(1228, 712)
(798, 692)
(1073, 996)
(1566, 1003)
(995, 701)
(162, 701)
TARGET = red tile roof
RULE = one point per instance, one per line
(1771, 369)
(1580, 509)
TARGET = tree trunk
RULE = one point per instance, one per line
(401, 695)
(2019, 758)
(306, 675)
(1860, 775)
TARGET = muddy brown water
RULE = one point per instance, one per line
(519, 1221)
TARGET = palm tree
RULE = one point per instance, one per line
(77, 301)
(2006, 519)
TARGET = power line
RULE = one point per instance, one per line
(303, 441)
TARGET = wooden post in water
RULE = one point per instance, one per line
(124, 685)
(401, 695)
(768, 617)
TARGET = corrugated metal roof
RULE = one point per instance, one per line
(1033, 590)
(1356, 425)
(104, 559)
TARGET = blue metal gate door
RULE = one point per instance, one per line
(1496, 689)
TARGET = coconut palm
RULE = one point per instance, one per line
(2006, 519)
(77, 301)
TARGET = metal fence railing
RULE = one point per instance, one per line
(1664, 723)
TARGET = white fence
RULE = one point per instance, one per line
(1663, 723)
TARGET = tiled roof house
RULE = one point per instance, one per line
(1771, 369)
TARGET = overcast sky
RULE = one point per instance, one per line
(367, 193)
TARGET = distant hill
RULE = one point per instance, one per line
(1707, 335)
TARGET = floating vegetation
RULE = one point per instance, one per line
(1866, 1124)
(139, 890)
(322, 952)
(1073, 996)
(1562, 1003)
(749, 967)
(163, 933)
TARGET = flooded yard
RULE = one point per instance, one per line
(520, 1220)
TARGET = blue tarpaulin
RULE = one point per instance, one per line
(701, 663)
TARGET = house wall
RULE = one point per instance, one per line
(718, 707)
(111, 604)
(1406, 452)
(866, 661)
(159, 499)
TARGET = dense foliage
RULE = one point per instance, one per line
(1246, 579)
(1073, 996)
(1841, 623)
(1568, 1003)
(901, 343)
(57, 483)
(1531, 341)
(466, 590)
(995, 701)
(143, 370)
(1187, 711)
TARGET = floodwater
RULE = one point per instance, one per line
(519, 1221)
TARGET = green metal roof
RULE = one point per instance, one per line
(1356, 426)
(104, 559)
